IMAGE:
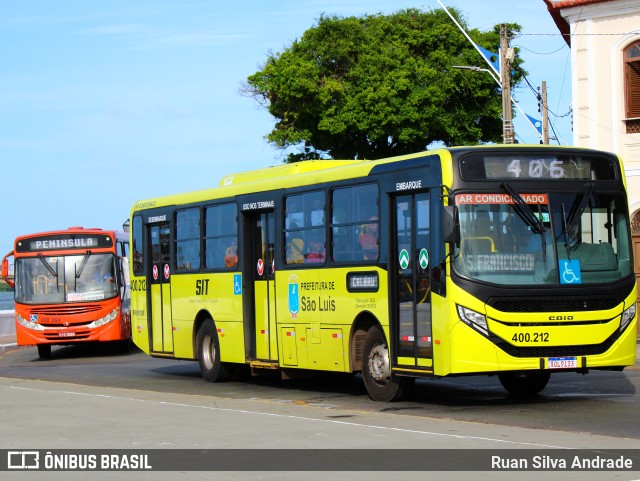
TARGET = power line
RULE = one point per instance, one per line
(621, 34)
(537, 94)
(539, 99)
(542, 53)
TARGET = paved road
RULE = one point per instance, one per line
(604, 403)
(101, 399)
(54, 415)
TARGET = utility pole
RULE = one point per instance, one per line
(506, 56)
(545, 114)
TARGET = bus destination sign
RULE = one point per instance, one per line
(536, 167)
(64, 242)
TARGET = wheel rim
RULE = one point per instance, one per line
(378, 362)
(208, 352)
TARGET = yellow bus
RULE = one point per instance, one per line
(512, 261)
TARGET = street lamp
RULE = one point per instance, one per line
(478, 69)
(125, 226)
(506, 116)
(507, 127)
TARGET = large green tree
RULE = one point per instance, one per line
(380, 85)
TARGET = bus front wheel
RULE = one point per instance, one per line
(212, 369)
(44, 351)
(381, 383)
(524, 383)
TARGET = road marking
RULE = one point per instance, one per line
(292, 417)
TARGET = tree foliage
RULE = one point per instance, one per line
(376, 86)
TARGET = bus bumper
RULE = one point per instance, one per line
(487, 357)
(115, 330)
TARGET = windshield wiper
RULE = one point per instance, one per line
(79, 270)
(579, 205)
(524, 210)
(565, 228)
(527, 214)
(50, 269)
(46, 264)
(83, 264)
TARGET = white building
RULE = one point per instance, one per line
(604, 36)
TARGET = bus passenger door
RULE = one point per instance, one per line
(159, 280)
(262, 272)
(410, 244)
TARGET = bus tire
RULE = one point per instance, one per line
(524, 383)
(212, 369)
(381, 383)
(125, 346)
(44, 351)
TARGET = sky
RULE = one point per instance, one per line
(104, 103)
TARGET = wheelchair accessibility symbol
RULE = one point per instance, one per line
(570, 271)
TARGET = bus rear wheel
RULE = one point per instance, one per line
(212, 369)
(381, 383)
(44, 351)
(524, 383)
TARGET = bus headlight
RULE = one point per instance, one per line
(473, 319)
(28, 324)
(627, 316)
(104, 320)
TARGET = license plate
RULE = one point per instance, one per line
(67, 334)
(562, 362)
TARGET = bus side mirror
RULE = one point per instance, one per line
(5, 270)
(449, 224)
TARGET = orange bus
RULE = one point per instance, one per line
(70, 286)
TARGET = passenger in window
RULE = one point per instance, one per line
(294, 252)
(368, 238)
(231, 255)
(316, 252)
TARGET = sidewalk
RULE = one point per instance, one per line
(8, 343)
(7, 330)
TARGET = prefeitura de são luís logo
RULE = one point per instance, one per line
(294, 296)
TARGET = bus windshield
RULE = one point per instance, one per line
(509, 238)
(58, 279)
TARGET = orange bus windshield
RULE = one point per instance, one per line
(65, 278)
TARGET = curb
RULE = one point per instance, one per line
(8, 347)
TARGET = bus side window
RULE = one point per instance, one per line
(303, 221)
(221, 236)
(138, 256)
(188, 240)
(354, 223)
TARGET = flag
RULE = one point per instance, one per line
(492, 58)
(535, 122)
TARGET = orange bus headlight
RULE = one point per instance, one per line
(105, 320)
(473, 319)
(627, 315)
